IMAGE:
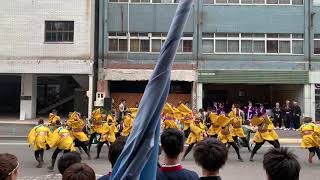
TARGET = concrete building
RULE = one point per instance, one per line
(232, 51)
(46, 55)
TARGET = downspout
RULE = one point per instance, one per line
(95, 50)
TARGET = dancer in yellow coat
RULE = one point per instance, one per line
(197, 134)
(187, 119)
(214, 129)
(263, 133)
(109, 135)
(225, 135)
(236, 126)
(96, 125)
(127, 124)
(61, 140)
(39, 136)
(76, 124)
(310, 133)
(169, 118)
(53, 118)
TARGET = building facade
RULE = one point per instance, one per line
(46, 55)
(232, 51)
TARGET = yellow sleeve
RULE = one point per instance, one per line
(32, 135)
(195, 129)
(53, 139)
(316, 129)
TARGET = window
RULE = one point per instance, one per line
(146, 1)
(253, 2)
(316, 2)
(317, 44)
(247, 43)
(59, 31)
(144, 42)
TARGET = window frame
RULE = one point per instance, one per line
(255, 4)
(59, 42)
(314, 40)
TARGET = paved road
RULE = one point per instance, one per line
(233, 169)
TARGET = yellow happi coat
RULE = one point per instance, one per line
(39, 136)
(214, 128)
(127, 123)
(197, 133)
(62, 139)
(97, 122)
(77, 126)
(109, 134)
(236, 125)
(264, 133)
(225, 135)
(310, 135)
(52, 120)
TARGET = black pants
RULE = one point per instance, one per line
(296, 122)
(92, 136)
(244, 140)
(315, 150)
(186, 133)
(287, 120)
(275, 144)
(38, 154)
(214, 136)
(55, 154)
(278, 122)
(188, 149)
(82, 145)
(99, 147)
(236, 148)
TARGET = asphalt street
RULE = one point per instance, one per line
(233, 170)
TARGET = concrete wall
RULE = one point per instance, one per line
(22, 29)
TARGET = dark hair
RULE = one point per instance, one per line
(281, 164)
(67, 159)
(172, 141)
(8, 164)
(115, 149)
(79, 171)
(210, 154)
(40, 121)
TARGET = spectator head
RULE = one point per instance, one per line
(172, 141)
(281, 164)
(123, 101)
(54, 112)
(210, 154)
(8, 167)
(287, 102)
(67, 159)
(115, 149)
(277, 104)
(215, 103)
(250, 103)
(40, 121)
(295, 103)
(307, 119)
(79, 171)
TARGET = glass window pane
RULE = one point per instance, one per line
(284, 35)
(134, 45)
(123, 45)
(123, 0)
(272, 46)
(207, 46)
(208, 1)
(156, 34)
(112, 33)
(284, 1)
(317, 36)
(156, 1)
(113, 0)
(221, 45)
(145, 1)
(246, 35)
(221, 34)
(258, 1)
(207, 35)
(317, 47)
(233, 35)
(233, 46)
(297, 47)
(272, 35)
(180, 46)
(187, 45)
(246, 46)
(258, 47)
(284, 47)
(233, 1)
(221, 1)
(156, 45)
(113, 44)
(71, 36)
(272, 1)
(246, 1)
(297, 36)
(145, 46)
(259, 35)
(299, 2)
(176, 1)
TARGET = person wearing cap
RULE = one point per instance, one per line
(236, 126)
(53, 118)
(264, 133)
(109, 135)
(127, 124)
(61, 140)
(197, 133)
(76, 124)
(310, 133)
(96, 125)
(38, 136)
(225, 135)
